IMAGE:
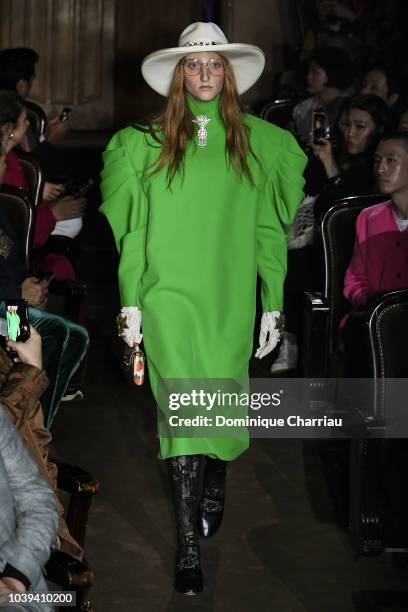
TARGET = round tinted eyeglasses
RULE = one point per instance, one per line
(194, 66)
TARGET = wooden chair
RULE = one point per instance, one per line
(19, 211)
(377, 521)
(37, 118)
(65, 571)
(34, 176)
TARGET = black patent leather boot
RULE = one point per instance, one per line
(184, 473)
(212, 502)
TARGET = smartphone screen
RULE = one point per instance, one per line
(319, 126)
(18, 325)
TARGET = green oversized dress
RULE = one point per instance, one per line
(189, 255)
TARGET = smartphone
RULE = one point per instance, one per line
(319, 126)
(18, 324)
(83, 189)
(48, 277)
(78, 189)
(66, 113)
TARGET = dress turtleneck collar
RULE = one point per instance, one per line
(209, 109)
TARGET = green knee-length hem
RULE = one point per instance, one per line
(189, 255)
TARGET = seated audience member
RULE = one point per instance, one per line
(64, 343)
(380, 258)
(352, 173)
(377, 81)
(13, 122)
(29, 519)
(329, 76)
(17, 73)
(21, 386)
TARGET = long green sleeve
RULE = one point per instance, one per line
(125, 207)
(277, 212)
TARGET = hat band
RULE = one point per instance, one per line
(201, 43)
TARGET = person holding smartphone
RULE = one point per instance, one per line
(13, 119)
(329, 75)
(18, 73)
(65, 343)
(23, 382)
(27, 503)
(351, 171)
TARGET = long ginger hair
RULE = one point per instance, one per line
(173, 128)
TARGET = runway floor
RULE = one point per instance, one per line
(282, 547)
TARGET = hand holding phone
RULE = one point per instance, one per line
(65, 114)
(68, 207)
(58, 127)
(35, 291)
(28, 352)
(52, 191)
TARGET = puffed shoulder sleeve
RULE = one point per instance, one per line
(125, 207)
(278, 206)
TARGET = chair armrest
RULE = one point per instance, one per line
(389, 297)
(316, 301)
(315, 339)
(82, 487)
(73, 479)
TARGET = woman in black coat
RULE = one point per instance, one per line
(351, 172)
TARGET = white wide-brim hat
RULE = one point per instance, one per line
(247, 61)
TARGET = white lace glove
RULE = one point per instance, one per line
(129, 320)
(272, 327)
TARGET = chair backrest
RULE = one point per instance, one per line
(279, 112)
(34, 176)
(20, 214)
(338, 233)
(37, 118)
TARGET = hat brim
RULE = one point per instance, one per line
(247, 62)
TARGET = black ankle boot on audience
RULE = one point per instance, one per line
(184, 473)
(212, 502)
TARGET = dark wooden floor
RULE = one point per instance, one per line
(283, 546)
